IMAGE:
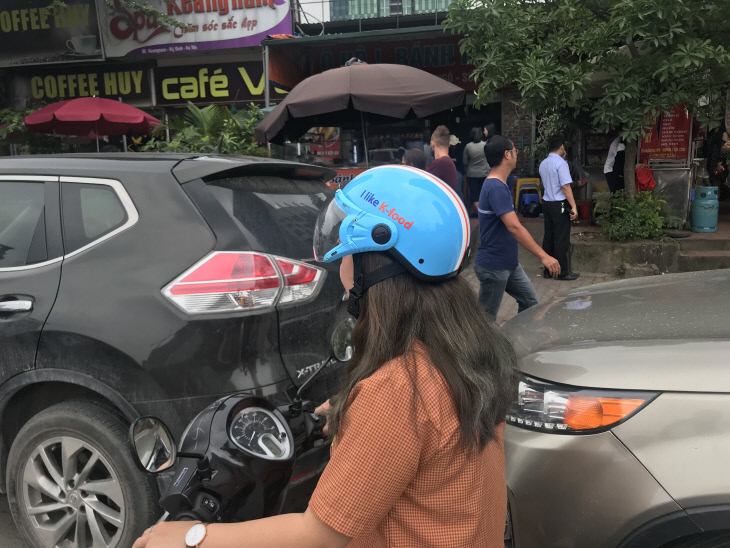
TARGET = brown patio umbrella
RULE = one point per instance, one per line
(339, 97)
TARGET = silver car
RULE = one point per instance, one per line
(620, 432)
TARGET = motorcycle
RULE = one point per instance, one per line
(241, 458)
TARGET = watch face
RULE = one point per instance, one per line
(195, 535)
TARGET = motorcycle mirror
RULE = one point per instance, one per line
(153, 445)
(342, 348)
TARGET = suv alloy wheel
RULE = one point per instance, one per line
(72, 484)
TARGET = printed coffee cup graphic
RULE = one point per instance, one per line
(82, 45)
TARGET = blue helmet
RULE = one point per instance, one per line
(408, 213)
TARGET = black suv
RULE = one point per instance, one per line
(145, 284)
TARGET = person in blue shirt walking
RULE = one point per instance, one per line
(496, 264)
(558, 206)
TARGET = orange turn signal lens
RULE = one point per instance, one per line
(587, 412)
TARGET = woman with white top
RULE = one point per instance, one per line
(612, 169)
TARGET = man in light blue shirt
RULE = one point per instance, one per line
(558, 206)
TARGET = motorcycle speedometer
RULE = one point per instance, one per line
(262, 433)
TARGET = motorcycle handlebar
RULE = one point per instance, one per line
(188, 516)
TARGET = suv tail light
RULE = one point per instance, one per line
(300, 280)
(227, 281)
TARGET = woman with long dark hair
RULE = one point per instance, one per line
(477, 168)
(417, 456)
(489, 130)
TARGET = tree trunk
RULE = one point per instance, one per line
(630, 168)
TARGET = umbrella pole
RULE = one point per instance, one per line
(96, 131)
(124, 137)
(365, 140)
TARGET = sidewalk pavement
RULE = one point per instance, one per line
(546, 288)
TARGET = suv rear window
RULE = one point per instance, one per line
(22, 227)
(277, 215)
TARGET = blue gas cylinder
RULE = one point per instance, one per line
(705, 209)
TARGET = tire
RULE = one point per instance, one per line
(98, 495)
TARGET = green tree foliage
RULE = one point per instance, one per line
(200, 130)
(13, 130)
(617, 60)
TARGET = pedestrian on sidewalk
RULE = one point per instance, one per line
(414, 158)
(558, 207)
(475, 163)
(455, 153)
(443, 166)
(496, 264)
(613, 169)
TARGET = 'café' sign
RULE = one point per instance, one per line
(216, 83)
(212, 24)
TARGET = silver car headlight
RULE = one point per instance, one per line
(563, 409)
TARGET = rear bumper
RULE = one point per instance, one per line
(577, 490)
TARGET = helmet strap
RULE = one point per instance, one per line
(363, 282)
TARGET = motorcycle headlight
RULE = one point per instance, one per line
(563, 409)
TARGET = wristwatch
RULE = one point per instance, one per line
(196, 535)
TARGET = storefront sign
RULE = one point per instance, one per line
(30, 34)
(668, 138)
(343, 177)
(439, 56)
(214, 24)
(221, 83)
(130, 82)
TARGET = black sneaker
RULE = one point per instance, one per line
(568, 276)
(546, 274)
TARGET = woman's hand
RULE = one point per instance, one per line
(323, 411)
(168, 534)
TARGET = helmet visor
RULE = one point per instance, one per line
(327, 229)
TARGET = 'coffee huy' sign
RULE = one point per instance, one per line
(213, 24)
(31, 34)
(216, 83)
(130, 82)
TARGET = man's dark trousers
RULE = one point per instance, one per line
(556, 240)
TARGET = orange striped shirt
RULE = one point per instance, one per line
(397, 476)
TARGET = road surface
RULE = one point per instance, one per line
(10, 537)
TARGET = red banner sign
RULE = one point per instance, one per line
(668, 138)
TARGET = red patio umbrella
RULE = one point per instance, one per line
(90, 114)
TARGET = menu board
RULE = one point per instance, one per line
(668, 136)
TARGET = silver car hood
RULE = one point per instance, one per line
(668, 332)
